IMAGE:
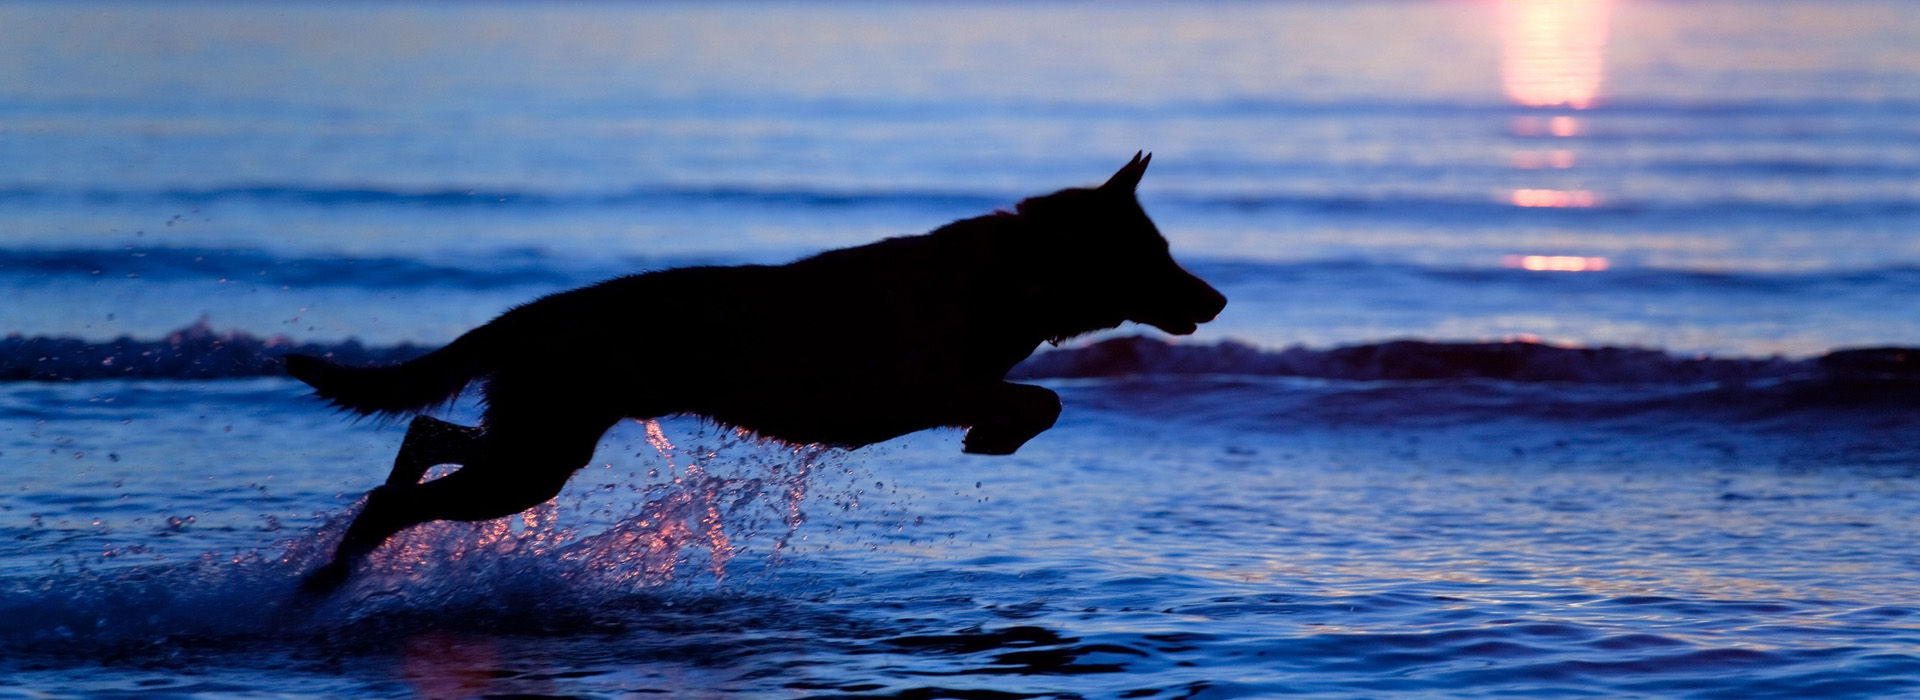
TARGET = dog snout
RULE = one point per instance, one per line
(1204, 302)
(1212, 302)
(1180, 302)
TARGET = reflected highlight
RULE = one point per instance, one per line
(1562, 126)
(1554, 49)
(1554, 263)
(1555, 199)
(1558, 159)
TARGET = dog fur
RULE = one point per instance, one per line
(845, 348)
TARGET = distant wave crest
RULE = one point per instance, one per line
(1386, 204)
(506, 268)
(198, 352)
(537, 268)
(1518, 361)
(375, 195)
(194, 352)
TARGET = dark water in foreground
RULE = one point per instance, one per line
(1174, 537)
(1536, 379)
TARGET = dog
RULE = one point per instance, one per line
(845, 348)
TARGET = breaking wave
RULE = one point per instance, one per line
(197, 352)
(1518, 361)
(503, 269)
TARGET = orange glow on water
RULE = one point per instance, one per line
(1554, 263)
(1562, 126)
(443, 665)
(1553, 51)
(1556, 199)
(1535, 160)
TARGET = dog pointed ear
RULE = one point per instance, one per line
(1128, 177)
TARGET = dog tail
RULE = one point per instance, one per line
(409, 387)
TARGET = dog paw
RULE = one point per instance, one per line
(326, 579)
(990, 442)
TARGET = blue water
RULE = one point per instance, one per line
(1671, 477)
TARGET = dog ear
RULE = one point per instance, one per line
(1128, 177)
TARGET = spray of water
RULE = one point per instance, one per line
(719, 506)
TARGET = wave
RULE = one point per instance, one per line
(1831, 106)
(1517, 361)
(192, 353)
(197, 352)
(501, 269)
(1582, 204)
(1858, 404)
(496, 269)
(1147, 107)
(533, 267)
(495, 198)
(1390, 204)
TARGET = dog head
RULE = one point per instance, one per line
(1103, 262)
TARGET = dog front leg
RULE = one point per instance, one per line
(1009, 416)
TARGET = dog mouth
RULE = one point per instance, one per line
(1198, 305)
(1174, 327)
(1181, 322)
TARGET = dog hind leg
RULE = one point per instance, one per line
(517, 465)
(430, 442)
(1008, 416)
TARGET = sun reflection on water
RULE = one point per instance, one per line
(1553, 51)
(1560, 126)
(1555, 263)
(1558, 159)
(1553, 199)
(1553, 58)
(440, 664)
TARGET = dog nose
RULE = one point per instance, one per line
(1212, 302)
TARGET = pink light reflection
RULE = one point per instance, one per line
(444, 665)
(1553, 199)
(1562, 126)
(1559, 159)
(1553, 51)
(1554, 263)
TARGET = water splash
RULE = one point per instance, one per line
(690, 515)
(727, 505)
(712, 503)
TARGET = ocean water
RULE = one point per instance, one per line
(1565, 357)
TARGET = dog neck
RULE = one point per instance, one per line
(1027, 279)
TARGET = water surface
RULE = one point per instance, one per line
(1720, 506)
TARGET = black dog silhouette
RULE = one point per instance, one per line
(845, 348)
